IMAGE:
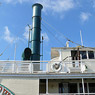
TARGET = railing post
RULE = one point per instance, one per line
(13, 67)
(47, 67)
(31, 67)
(17, 69)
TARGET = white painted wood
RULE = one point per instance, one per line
(83, 85)
(21, 86)
(46, 86)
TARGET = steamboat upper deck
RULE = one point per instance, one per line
(68, 68)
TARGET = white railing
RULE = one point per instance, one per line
(46, 66)
(22, 66)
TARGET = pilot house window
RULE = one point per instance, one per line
(83, 54)
(77, 55)
(91, 54)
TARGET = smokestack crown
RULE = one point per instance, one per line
(36, 9)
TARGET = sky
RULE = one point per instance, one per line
(59, 18)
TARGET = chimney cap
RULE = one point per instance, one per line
(37, 4)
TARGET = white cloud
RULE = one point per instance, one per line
(14, 1)
(26, 33)
(54, 5)
(45, 36)
(62, 5)
(57, 5)
(7, 35)
(84, 16)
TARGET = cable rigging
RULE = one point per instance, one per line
(79, 46)
(62, 34)
(53, 35)
(9, 44)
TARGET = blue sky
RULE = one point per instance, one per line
(68, 17)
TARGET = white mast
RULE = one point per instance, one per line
(81, 38)
(15, 52)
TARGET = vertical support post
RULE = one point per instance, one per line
(81, 64)
(47, 86)
(87, 88)
(60, 54)
(83, 85)
(87, 54)
(78, 87)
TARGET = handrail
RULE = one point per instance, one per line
(89, 60)
(31, 66)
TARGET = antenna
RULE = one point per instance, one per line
(29, 34)
(81, 38)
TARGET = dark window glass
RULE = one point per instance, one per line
(42, 86)
(91, 54)
(72, 88)
(75, 54)
(91, 87)
(81, 87)
(83, 54)
(61, 88)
